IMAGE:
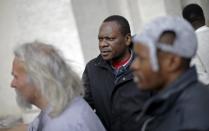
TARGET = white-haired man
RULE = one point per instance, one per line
(44, 79)
(180, 102)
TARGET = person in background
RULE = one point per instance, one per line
(41, 77)
(164, 50)
(108, 80)
(194, 14)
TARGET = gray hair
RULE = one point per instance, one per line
(48, 71)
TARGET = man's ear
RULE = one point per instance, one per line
(170, 62)
(173, 63)
(128, 39)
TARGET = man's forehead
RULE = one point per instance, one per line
(18, 65)
(111, 24)
(109, 29)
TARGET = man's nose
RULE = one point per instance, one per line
(12, 84)
(103, 43)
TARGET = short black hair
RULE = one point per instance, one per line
(193, 12)
(122, 21)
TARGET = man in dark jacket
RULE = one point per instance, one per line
(110, 88)
(181, 102)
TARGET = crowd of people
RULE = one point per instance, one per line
(153, 81)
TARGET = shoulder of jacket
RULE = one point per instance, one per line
(96, 61)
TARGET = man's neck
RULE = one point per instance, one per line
(171, 77)
(41, 103)
(119, 63)
(197, 24)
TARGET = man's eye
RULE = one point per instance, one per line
(100, 39)
(110, 38)
(106, 38)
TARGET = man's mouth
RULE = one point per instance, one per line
(105, 52)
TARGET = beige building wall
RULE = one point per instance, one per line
(8, 37)
(50, 21)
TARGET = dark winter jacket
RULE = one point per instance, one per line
(182, 106)
(115, 97)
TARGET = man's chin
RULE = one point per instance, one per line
(106, 57)
(146, 88)
(22, 102)
(143, 87)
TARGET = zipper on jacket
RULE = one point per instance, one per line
(144, 126)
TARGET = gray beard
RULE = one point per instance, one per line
(22, 102)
